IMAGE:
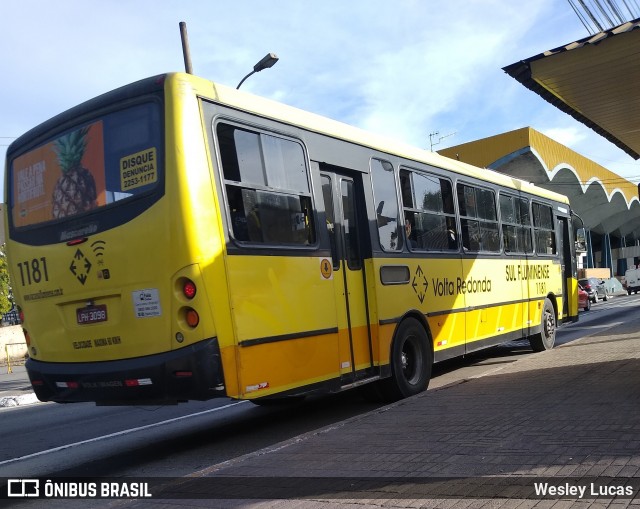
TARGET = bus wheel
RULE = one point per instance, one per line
(411, 362)
(547, 336)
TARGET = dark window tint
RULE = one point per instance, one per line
(478, 219)
(327, 193)
(267, 187)
(544, 232)
(386, 203)
(430, 223)
(108, 159)
(350, 225)
(516, 227)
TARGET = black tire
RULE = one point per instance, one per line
(547, 336)
(588, 306)
(411, 362)
(629, 292)
(595, 297)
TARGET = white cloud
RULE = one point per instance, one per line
(569, 136)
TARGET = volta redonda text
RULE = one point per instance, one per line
(443, 287)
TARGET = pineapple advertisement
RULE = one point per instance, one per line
(63, 178)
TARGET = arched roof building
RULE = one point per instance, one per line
(606, 202)
(595, 80)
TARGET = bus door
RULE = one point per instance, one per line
(566, 260)
(345, 214)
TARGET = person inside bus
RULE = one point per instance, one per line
(408, 230)
(452, 238)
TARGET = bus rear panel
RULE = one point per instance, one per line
(109, 283)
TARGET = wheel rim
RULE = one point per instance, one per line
(411, 360)
(549, 325)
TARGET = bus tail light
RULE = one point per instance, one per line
(137, 382)
(67, 385)
(192, 317)
(189, 289)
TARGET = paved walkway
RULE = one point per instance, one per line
(569, 418)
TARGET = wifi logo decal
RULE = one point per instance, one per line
(98, 247)
(98, 250)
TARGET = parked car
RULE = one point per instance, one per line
(11, 318)
(595, 288)
(632, 280)
(584, 302)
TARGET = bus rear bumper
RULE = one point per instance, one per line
(190, 373)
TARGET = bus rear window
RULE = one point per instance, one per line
(108, 159)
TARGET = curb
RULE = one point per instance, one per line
(13, 401)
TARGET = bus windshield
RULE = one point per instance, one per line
(108, 159)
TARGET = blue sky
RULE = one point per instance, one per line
(404, 68)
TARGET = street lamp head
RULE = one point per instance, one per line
(267, 61)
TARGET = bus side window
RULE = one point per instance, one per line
(386, 203)
(239, 223)
(545, 235)
(407, 193)
(327, 193)
(267, 186)
(524, 220)
(516, 229)
(478, 219)
(429, 213)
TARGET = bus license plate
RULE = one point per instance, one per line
(93, 314)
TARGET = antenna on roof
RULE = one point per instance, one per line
(436, 134)
(185, 48)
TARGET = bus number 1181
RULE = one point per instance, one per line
(33, 271)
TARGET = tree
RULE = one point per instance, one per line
(6, 295)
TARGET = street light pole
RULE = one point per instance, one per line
(185, 48)
(267, 61)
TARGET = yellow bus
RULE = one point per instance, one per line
(176, 240)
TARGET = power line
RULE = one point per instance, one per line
(600, 15)
(7, 138)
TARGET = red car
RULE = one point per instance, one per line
(584, 301)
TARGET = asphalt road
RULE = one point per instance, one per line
(84, 440)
